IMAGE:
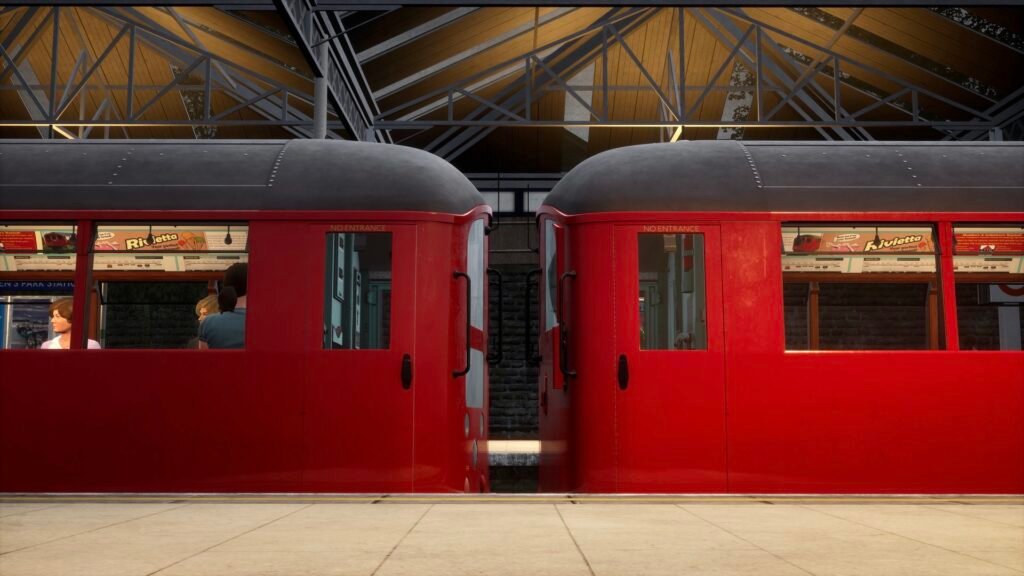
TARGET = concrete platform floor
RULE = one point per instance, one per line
(528, 535)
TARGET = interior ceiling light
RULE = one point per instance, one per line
(878, 240)
(227, 237)
(149, 237)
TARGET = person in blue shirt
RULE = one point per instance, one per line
(227, 329)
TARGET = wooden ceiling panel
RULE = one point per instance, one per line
(945, 43)
(507, 51)
(472, 31)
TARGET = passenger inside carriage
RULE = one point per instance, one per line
(227, 329)
(205, 307)
(60, 318)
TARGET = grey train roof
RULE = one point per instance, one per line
(732, 176)
(228, 175)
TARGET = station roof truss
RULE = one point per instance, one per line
(445, 78)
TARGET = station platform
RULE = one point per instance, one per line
(381, 534)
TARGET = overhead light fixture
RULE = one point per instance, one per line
(62, 132)
(878, 239)
(227, 237)
(149, 237)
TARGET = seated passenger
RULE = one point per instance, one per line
(60, 318)
(227, 329)
(205, 307)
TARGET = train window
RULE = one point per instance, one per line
(25, 311)
(988, 263)
(158, 284)
(30, 249)
(478, 277)
(860, 288)
(37, 266)
(550, 275)
(357, 306)
(671, 292)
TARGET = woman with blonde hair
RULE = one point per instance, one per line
(206, 307)
(60, 319)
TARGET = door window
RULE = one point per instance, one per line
(550, 275)
(477, 277)
(671, 293)
(357, 307)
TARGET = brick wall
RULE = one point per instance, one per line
(514, 380)
(858, 316)
(979, 323)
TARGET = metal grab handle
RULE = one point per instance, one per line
(563, 348)
(623, 372)
(497, 357)
(406, 372)
(532, 357)
(469, 319)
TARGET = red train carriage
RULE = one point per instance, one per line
(785, 317)
(363, 364)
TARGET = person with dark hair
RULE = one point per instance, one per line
(60, 318)
(227, 329)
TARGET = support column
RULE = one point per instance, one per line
(320, 95)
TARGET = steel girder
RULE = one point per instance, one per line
(346, 85)
(362, 4)
(811, 87)
(198, 73)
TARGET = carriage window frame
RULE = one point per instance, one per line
(197, 250)
(25, 242)
(550, 275)
(348, 293)
(983, 254)
(842, 263)
(685, 298)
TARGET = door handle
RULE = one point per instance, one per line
(469, 320)
(623, 372)
(563, 330)
(406, 372)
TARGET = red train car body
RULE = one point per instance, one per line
(735, 396)
(299, 409)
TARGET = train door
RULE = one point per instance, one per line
(670, 400)
(359, 409)
(553, 396)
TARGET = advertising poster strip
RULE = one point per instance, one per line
(1002, 242)
(857, 241)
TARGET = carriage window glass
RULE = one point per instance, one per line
(475, 269)
(672, 296)
(550, 275)
(25, 311)
(30, 249)
(357, 303)
(159, 284)
(37, 266)
(988, 263)
(478, 278)
(862, 287)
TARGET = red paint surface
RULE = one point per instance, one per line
(783, 422)
(281, 415)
